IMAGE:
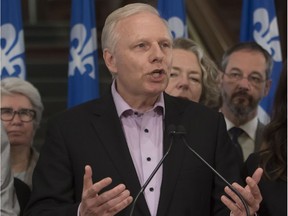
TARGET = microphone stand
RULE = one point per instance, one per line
(182, 133)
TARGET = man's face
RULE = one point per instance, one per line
(186, 76)
(142, 57)
(242, 95)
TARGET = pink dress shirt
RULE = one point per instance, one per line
(144, 136)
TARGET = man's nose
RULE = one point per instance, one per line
(157, 54)
(244, 83)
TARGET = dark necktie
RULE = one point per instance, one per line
(236, 132)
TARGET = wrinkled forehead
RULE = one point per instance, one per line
(248, 60)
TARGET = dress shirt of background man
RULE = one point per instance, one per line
(245, 81)
(9, 202)
(123, 135)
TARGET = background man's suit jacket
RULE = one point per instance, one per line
(259, 136)
(92, 134)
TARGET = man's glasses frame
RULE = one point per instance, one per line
(253, 78)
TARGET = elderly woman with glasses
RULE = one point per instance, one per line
(21, 112)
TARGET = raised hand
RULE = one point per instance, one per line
(251, 194)
(107, 203)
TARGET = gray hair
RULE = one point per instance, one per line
(210, 95)
(110, 37)
(249, 46)
(15, 85)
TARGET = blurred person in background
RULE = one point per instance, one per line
(273, 156)
(21, 113)
(9, 202)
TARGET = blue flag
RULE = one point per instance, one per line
(174, 12)
(259, 24)
(83, 81)
(12, 40)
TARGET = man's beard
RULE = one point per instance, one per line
(239, 106)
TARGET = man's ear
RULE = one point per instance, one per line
(267, 87)
(110, 61)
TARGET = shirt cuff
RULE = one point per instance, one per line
(78, 211)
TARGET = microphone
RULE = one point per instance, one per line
(182, 132)
(172, 131)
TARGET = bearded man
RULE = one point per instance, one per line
(244, 82)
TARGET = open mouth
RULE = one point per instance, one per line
(157, 73)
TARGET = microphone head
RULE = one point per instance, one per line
(171, 129)
(181, 130)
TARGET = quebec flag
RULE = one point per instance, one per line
(83, 58)
(259, 24)
(174, 11)
(12, 40)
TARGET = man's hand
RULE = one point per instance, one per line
(105, 204)
(250, 193)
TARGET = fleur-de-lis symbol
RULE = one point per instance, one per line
(82, 50)
(266, 33)
(12, 50)
(177, 27)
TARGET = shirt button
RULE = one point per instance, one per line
(151, 189)
(148, 159)
(146, 130)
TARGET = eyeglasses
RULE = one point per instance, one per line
(253, 78)
(25, 115)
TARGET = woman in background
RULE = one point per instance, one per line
(21, 112)
(194, 75)
(273, 156)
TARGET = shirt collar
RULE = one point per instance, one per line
(123, 107)
(249, 127)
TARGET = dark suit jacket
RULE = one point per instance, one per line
(259, 136)
(274, 193)
(23, 193)
(92, 134)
